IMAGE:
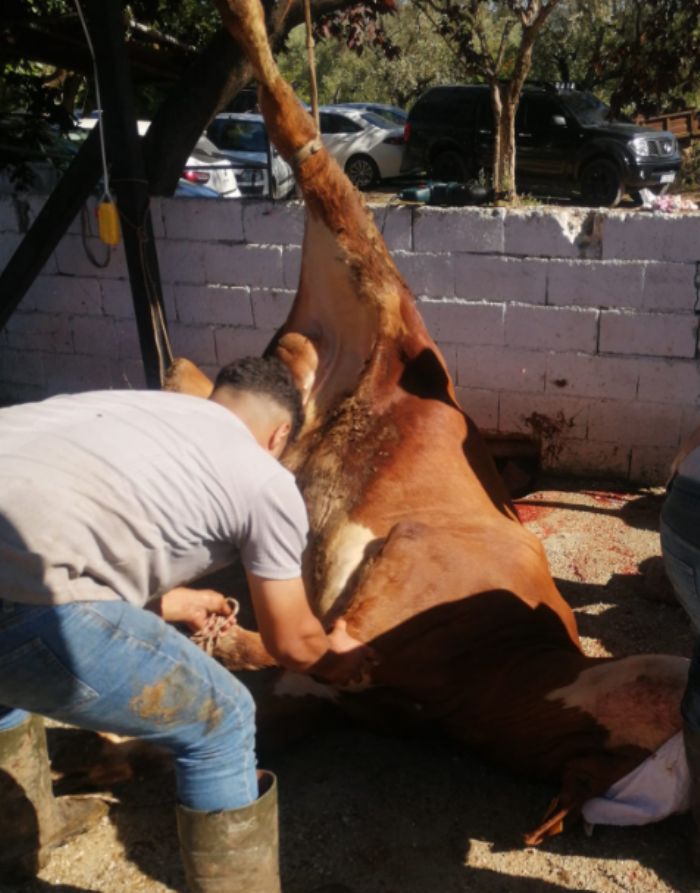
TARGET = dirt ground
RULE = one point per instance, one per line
(363, 813)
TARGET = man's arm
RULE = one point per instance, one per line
(294, 636)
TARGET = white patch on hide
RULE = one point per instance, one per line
(347, 549)
(636, 699)
(294, 685)
(605, 677)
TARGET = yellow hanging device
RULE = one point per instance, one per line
(108, 222)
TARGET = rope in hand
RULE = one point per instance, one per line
(207, 638)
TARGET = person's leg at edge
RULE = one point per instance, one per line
(11, 718)
(682, 562)
(690, 710)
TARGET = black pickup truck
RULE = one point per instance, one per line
(566, 142)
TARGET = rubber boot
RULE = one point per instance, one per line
(32, 820)
(692, 753)
(235, 850)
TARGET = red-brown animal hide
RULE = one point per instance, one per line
(413, 537)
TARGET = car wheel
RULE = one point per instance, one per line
(361, 171)
(449, 166)
(601, 183)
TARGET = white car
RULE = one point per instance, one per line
(366, 145)
(242, 137)
(206, 166)
(397, 116)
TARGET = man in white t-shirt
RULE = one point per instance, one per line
(111, 502)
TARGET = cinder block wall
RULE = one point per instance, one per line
(578, 326)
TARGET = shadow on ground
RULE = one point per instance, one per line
(367, 813)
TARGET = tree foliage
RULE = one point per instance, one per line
(641, 55)
(366, 72)
(44, 60)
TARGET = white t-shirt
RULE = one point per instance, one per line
(125, 494)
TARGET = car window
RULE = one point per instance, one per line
(586, 107)
(397, 117)
(456, 106)
(205, 147)
(240, 136)
(484, 114)
(378, 121)
(535, 114)
(327, 122)
(332, 123)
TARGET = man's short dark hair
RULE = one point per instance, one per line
(268, 376)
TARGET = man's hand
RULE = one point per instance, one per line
(295, 638)
(193, 607)
(340, 639)
(348, 662)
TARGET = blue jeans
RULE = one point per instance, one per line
(109, 666)
(682, 563)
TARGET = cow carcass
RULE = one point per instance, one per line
(414, 539)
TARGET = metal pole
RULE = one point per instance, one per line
(53, 220)
(128, 181)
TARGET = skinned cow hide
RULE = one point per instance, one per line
(414, 540)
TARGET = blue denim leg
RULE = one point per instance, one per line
(113, 667)
(10, 719)
(682, 562)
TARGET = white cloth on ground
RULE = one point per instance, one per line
(656, 789)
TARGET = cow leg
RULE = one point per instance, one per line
(350, 292)
(86, 761)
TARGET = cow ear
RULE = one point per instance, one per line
(184, 377)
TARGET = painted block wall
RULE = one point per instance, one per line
(578, 326)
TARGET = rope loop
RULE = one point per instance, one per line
(208, 637)
(311, 148)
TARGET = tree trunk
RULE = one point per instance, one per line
(504, 102)
(504, 163)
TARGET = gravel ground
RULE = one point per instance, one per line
(374, 814)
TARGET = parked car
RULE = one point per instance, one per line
(189, 189)
(566, 141)
(246, 100)
(368, 147)
(206, 166)
(242, 137)
(397, 116)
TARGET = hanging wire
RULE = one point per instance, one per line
(103, 151)
(163, 345)
(312, 62)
